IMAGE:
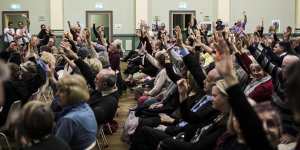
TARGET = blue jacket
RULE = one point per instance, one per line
(77, 126)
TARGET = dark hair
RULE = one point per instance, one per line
(43, 25)
(10, 23)
(285, 45)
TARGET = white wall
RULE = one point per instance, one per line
(36, 8)
(284, 10)
(161, 8)
(297, 14)
(123, 12)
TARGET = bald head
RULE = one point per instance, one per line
(288, 61)
(105, 80)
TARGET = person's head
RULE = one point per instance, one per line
(287, 62)
(10, 24)
(72, 89)
(100, 28)
(49, 59)
(114, 47)
(37, 120)
(34, 41)
(280, 48)
(94, 64)
(220, 97)
(210, 80)
(190, 41)
(20, 24)
(51, 42)
(28, 70)
(289, 29)
(160, 56)
(105, 80)
(256, 71)
(270, 119)
(43, 27)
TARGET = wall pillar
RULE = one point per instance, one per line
(56, 14)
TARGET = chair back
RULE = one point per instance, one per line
(4, 143)
(14, 108)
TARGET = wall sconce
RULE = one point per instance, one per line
(99, 6)
(182, 5)
(15, 6)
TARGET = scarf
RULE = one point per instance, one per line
(255, 83)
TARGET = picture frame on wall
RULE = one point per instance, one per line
(208, 25)
(276, 24)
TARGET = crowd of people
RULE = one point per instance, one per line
(227, 91)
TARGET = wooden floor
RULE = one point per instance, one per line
(114, 141)
(126, 101)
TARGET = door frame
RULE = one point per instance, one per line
(4, 24)
(109, 12)
(171, 12)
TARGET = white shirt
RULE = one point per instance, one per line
(9, 34)
(26, 35)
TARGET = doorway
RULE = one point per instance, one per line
(98, 18)
(14, 17)
(180, 18)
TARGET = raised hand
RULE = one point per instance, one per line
(182, 89)
(224, 63)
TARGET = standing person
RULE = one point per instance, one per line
(9, 33)
(22, 34)
(239, 27)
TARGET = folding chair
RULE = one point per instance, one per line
(4, 143)
(14, 108)
(92, 146)
(101, 135)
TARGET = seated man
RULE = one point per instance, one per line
(104, 100)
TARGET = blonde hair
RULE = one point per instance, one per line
(222, 87)
(75, 88)
(48, 58)
(94, 64)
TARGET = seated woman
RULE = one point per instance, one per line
(202, 136)
(260, 88)
(35, 126)
(76, 123)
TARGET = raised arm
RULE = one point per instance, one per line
(95, 31)
(264, 62)
(250, 124)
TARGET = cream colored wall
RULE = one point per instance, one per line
(284, 10)
(57, 14)
(161, 8)
(297, 14)
(37, 9)
(123, 12)
(224, 10)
